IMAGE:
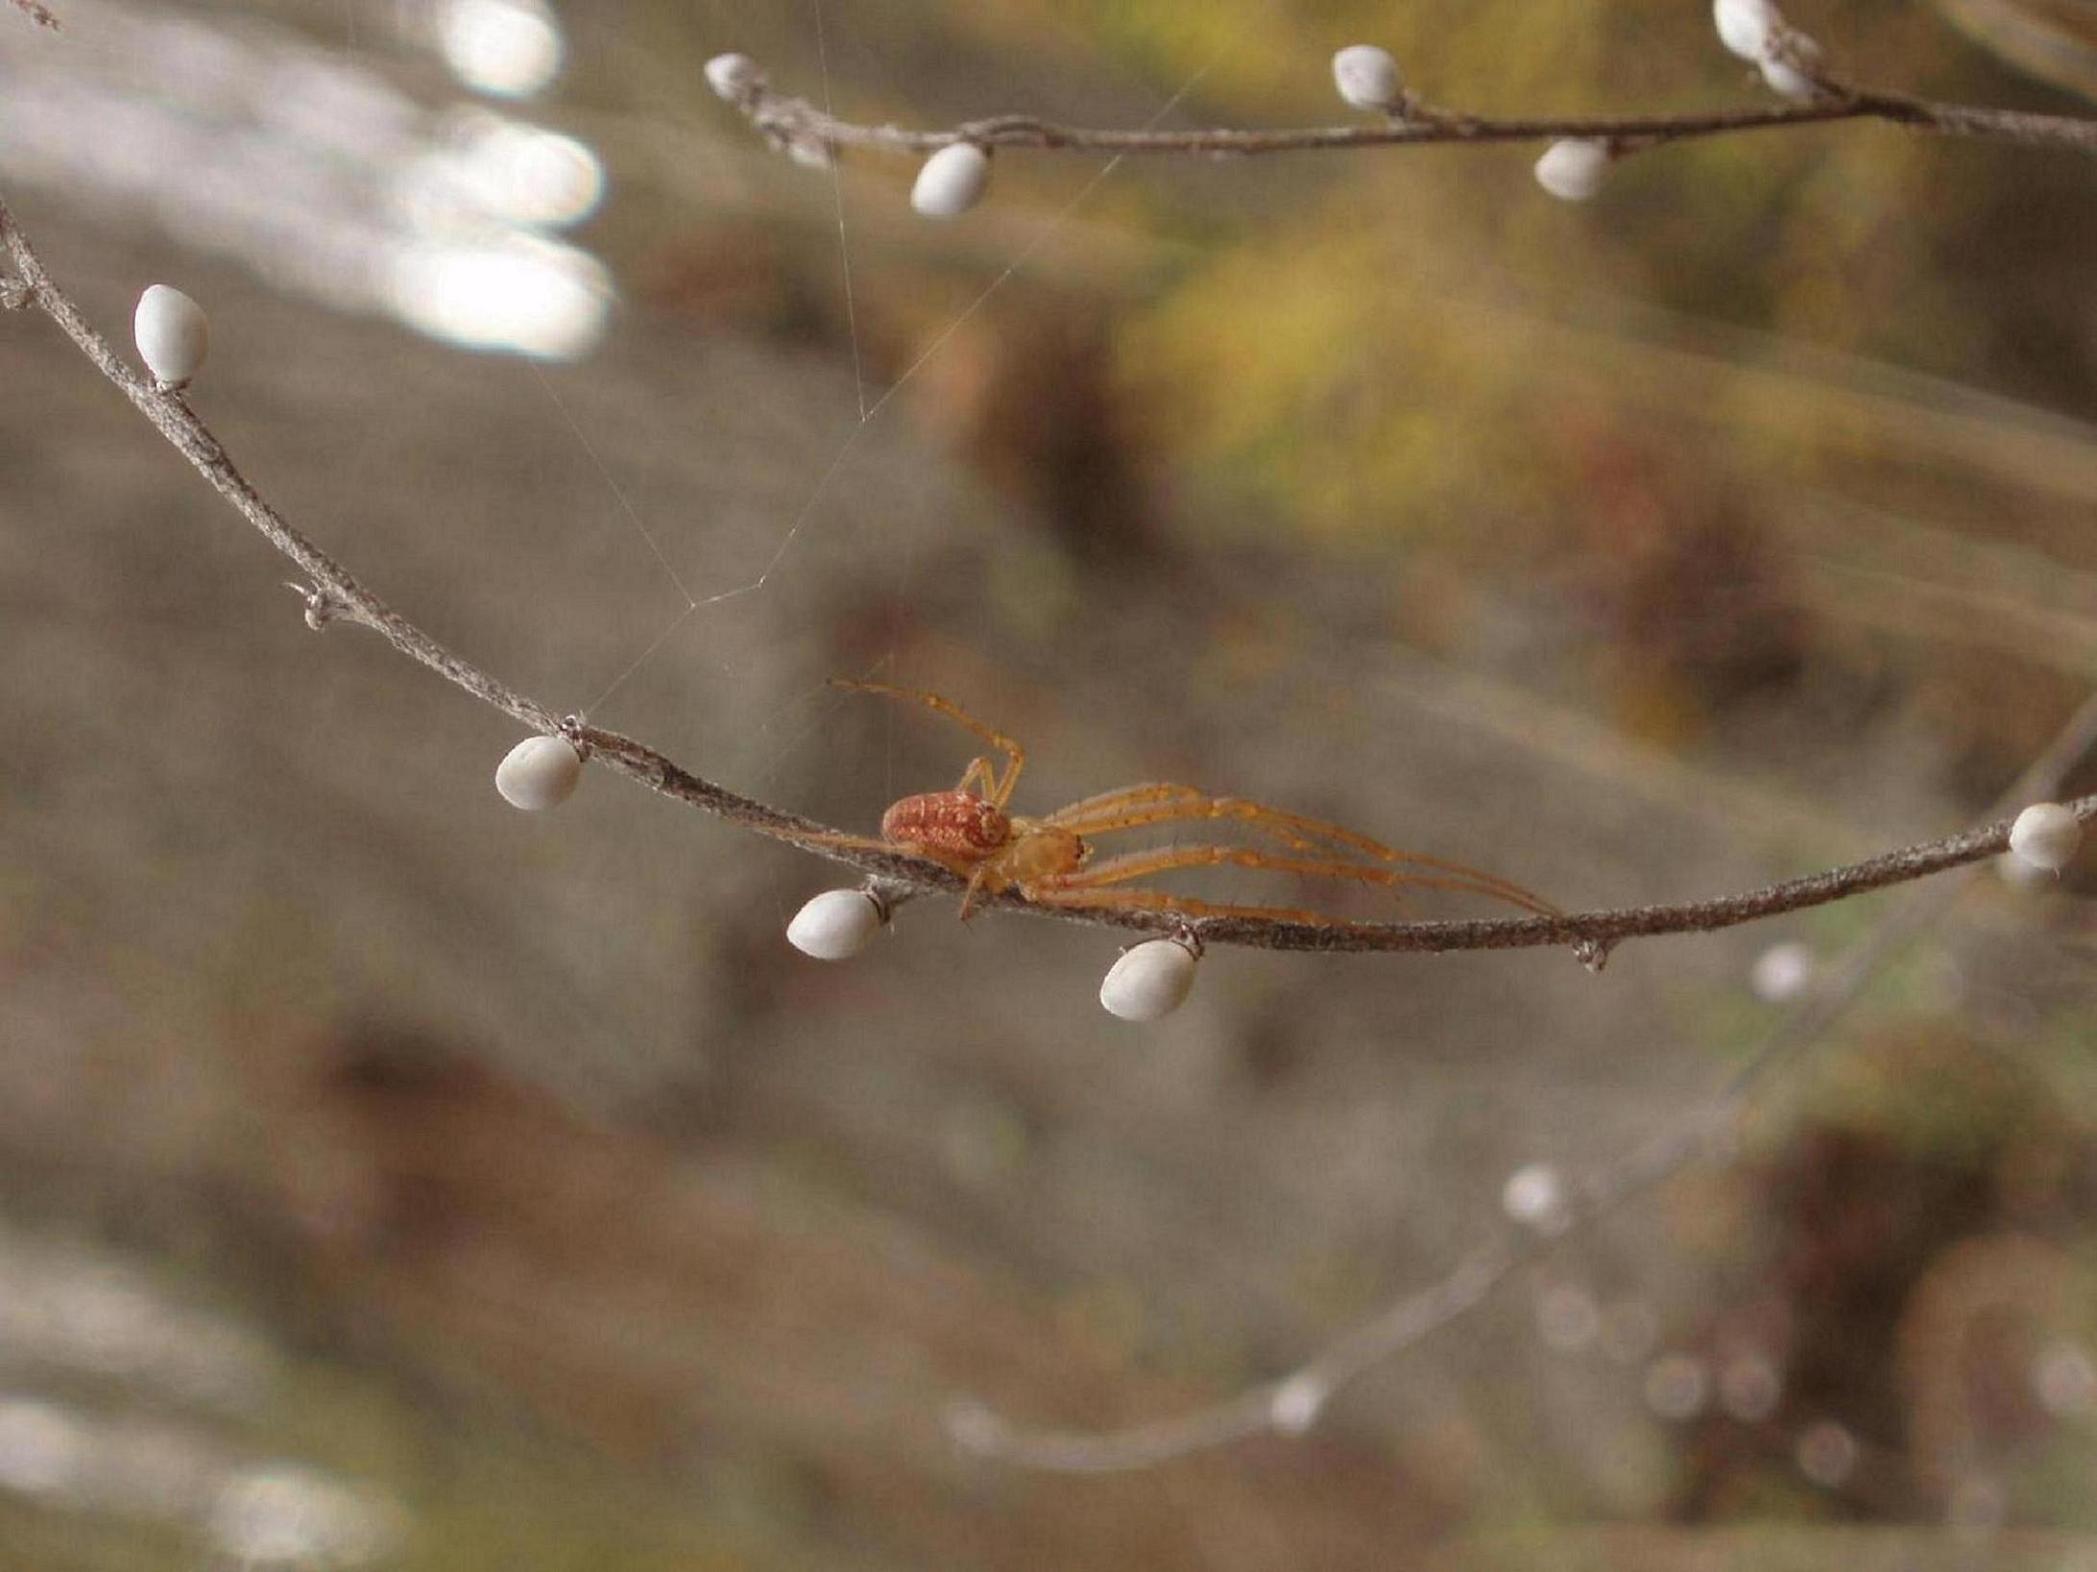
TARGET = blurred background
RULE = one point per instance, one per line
(389, 1179)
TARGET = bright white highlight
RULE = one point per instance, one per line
(511, 48)
(518, 293)
(1534, 1196)
(732, 76)
(487, 167)
(1746, 27)
(281, 1514)
(1781, 973)
(1296, 1405)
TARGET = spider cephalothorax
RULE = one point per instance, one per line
(1049, 860)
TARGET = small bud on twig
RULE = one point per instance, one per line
(1572, 168)
(539, 773)
(172, 334)
(952, 181)
(1367, 78)
(836, 925)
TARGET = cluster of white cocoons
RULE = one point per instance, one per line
(952, 181)
(1367, 77)
(2045, 836)
(734, 76)
(1756, 31)
(1572, 168)
(172, 334)
(836, 925)
(539, 773)
(1150, 981)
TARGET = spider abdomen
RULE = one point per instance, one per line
(957, 822)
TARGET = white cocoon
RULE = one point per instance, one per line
(1148, 982)
(2045, 835)
(540, 772)
(952, 181)
(835, 925)
(172, 334)
(1572, 169)
(1367, 77)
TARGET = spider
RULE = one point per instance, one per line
(1049, 860)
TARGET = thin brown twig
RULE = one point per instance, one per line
(789, 121)
(334, 595)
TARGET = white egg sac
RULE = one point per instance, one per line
(1150, 981)
(1367, 77)
(2045, 835)
(172, 334)
(952, 181)
(836, 925)
(1572, 169)
(540, 772)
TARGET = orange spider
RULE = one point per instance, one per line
(1049, 860)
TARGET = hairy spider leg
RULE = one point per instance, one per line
(999, 792)
(1080, 888)
(1163, 803)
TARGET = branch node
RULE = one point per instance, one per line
(322, 605)
(577, 731)
(15, 295)
(1593, 954)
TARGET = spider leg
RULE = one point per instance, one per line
(1290, 825)
(980, 770)
(1015, 756)
(1091, 815)
(1073, 888)
(1165, 803)
(1185, 905)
